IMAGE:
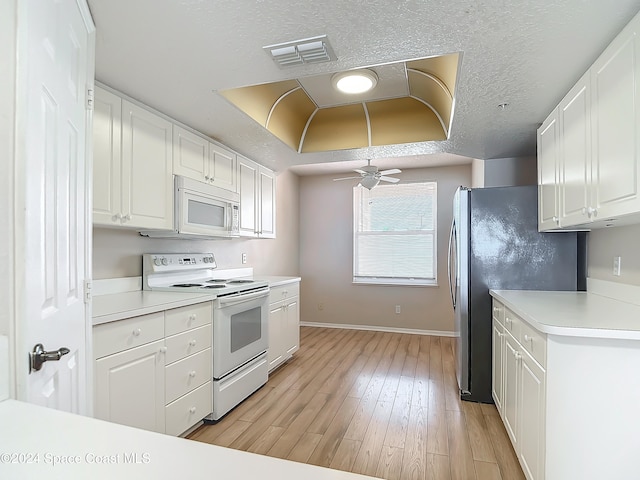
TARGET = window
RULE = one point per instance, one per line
(394, 234)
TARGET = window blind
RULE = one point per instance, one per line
(394, 238)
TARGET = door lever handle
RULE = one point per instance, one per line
(39, 356)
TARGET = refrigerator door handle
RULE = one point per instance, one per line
(452, 286)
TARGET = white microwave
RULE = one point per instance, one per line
(201, 210)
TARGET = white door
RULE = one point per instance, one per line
(55, 70)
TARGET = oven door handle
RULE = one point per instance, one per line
(242, 297)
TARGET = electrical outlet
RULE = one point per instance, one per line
(321, 306)
(244, 258)
(616, 266)
(397, 308)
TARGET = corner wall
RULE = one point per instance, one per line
(117, 252)
(326, 259)
(504, 172)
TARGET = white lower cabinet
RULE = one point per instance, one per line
(154, 371)
(520, 392)
(284, 323)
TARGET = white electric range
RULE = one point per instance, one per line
(240, 321)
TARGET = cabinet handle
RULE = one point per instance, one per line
(192, 317)
(527, 338)
(592, 212)
(555, 219)
(128, 217)
(507, 320)
(192, 343)
(192, 410)
(500, 335)
(192, 373)
(163, 349)
(517, 355)
(137, 332)
(117, 216)
(207, 178)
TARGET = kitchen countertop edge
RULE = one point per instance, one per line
(573, 314)
(118, 306)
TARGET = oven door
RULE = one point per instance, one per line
(240, 324)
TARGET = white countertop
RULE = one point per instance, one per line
(117, 306)
(34, 437)
(574, 314)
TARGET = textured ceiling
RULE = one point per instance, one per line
(176, 55)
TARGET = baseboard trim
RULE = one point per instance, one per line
(412, 331)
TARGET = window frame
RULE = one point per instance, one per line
(396, 281)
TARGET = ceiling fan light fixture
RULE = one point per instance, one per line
(355, 81)
(369, 181)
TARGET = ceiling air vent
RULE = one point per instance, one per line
(299, 52)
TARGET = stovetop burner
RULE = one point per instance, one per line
(217, 280)
(240, 281)
(186, 285)
(214, 286)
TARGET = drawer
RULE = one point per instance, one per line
(534, 342)
(188, 410)
(185, 375)
(178, 320)
(284, 291)
(512, 323)
(498, 311)
(117, 336)
(187, 343)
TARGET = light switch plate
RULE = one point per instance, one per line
(616, 266)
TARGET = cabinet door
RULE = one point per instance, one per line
(267, 203)
(106, 158)
(511, 378)
(292, 327)
(129, 387)
(575, 153)
(497, 383)
(615, 107)
(147, 179)
(548, 173)
(190, 154)
(222, 168)
(276, 352)
(531, 415)
(248, 187)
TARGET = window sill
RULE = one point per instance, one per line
(395, 283)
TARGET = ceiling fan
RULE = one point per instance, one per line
(370, 176)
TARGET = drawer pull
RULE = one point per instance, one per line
(192, 373)
(527, 338)
(137, 332)
(192, 410)
(192, 343)
(192, 317)
(163, 349)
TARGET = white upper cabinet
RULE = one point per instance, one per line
(548, 173)
(598, 153)
(146, 168)
(256, 186)
(132, 179)
(196, 157)
(222, 168)
(615, 120)
(575, 153)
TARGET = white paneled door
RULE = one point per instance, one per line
(55, 84)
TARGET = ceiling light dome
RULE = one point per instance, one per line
(355, 81)
(369, 181)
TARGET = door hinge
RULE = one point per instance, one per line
(90, 98)
(88, 284)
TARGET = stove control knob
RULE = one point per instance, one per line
(157, 262)
(165, 261)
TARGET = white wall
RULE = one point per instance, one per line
(477, 173)
(503, 172)
(606, 243)
(117, 253)
(326, 245)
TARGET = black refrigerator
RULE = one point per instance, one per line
(495, 244)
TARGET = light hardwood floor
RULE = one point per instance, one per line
(380, 404)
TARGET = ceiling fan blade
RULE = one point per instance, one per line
(345, 178)
(389, 179)
(390, 172)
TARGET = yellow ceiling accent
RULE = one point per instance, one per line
(288, 111)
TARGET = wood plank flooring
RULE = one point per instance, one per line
(380, 404)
